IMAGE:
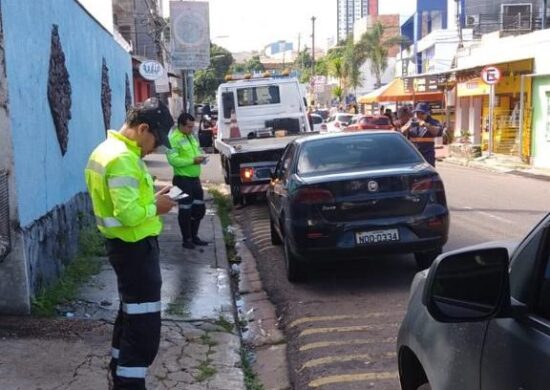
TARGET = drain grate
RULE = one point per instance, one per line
(5, 241)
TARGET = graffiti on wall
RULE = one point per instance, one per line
(105, 95)
(59, 91)
(128, 96)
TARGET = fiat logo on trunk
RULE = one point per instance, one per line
(372, 186)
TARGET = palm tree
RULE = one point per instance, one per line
(337, 69)
(353, 60)
(374, 46)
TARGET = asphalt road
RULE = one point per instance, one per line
(341, 324)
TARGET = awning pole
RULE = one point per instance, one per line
(521, 108)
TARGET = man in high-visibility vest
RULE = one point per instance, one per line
(127, 213)
(186, 157)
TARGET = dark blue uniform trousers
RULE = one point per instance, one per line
(136, 334)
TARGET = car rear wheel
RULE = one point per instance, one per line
(425, 259)
(275, 239)
(294, 268)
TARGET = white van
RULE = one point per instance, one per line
(261, 105)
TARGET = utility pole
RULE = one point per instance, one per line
(313, 45)
(544, 5)
(157, 24)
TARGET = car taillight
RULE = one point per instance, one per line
(247, 174)
(323, 126)
(337, 124)
(423, 185)
(313, 196)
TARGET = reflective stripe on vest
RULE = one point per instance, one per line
(96, 167)
(123, 181)
(185, 206)
(141, 308)
(131, 372)
(198, 201)
(107, 222)
(421, 139)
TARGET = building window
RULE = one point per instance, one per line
(516, 17)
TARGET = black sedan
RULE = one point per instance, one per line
(352, 195)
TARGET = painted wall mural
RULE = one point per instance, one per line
(105, 95)
(59, 91)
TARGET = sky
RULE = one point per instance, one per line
(245, 25)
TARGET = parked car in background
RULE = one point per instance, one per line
(324, 113)
(319, 124)
(369, 122)
(480, 319)
(337, 122)
(345, 196)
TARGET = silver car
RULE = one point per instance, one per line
(479, 318)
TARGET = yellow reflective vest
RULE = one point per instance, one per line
(181, 155)
(121, 190)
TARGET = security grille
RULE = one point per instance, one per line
(5, 242)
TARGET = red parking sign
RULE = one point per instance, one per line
(490, 75)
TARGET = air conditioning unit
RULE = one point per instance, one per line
(472, 20)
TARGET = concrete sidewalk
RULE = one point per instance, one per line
(200, 346)
(495, 163)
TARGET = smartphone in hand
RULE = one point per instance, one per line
(176, 194)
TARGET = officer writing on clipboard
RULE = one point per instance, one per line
(127, 213)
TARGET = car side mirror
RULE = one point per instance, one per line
(468, 285)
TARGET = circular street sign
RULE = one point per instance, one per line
(151, 70)
(490, 75)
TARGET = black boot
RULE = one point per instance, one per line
(188, 244)
(199, 242)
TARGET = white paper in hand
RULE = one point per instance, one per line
(175, 193)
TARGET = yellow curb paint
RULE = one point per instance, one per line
(323, 344)
(342, 329)
(306, 320)
(369, 376)
(342, 359)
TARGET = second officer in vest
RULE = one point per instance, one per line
(185, 157)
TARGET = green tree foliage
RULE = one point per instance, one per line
(253, 65)
(374, 47)
(208, 80)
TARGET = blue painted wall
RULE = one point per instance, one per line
(45, 178)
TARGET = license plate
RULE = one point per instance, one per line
(377, 236)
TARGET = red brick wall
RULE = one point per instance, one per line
(391, 28)
(373, 7)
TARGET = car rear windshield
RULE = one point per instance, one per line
(378, 120)
(365, 151)
(344, 118)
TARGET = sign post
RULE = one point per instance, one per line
(491, 76)
(190, 42)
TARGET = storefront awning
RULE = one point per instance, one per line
(395, 92)
(373, 95)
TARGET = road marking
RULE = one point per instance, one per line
(323, 344)
(342, 329)
(305, 320)
(495, 217)
(368, 376)
(341, 359)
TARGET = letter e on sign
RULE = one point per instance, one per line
(490, 75)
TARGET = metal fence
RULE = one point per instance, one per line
(5, 239)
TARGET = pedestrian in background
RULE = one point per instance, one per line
(127, 213)
(421, 131)
(403, 115)
(185, 156)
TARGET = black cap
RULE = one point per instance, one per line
(155, 113)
